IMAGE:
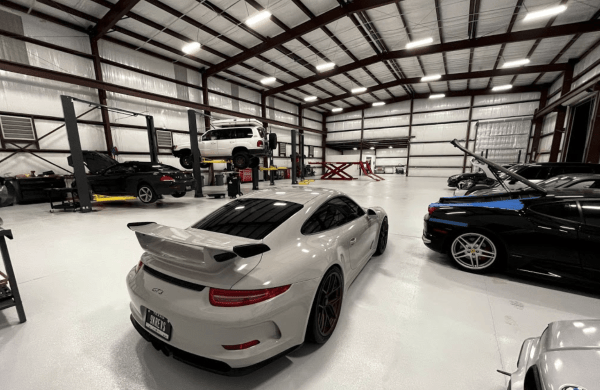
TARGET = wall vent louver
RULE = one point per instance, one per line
(17, 128)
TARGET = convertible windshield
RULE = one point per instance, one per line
(249, 218)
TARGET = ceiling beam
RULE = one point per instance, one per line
(63, 77)
(110, 19)
(454, 77)
(466, 92)
(520, 36)
(298, 31)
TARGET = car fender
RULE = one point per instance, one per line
(527, 358)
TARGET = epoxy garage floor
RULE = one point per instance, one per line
(410, 320)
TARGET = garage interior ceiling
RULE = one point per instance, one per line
(471, 41)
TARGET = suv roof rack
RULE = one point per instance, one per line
(236, 123)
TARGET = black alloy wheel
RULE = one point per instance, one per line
(241, 160)
(187, 161)
(327, 307)
(146, 194)
(383, 238)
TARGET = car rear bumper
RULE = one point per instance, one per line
(168, 188)
(433, 239)
(200, 329)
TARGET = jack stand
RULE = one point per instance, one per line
(255, 178)
(272, 173)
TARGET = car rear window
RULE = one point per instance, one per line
(249, 218)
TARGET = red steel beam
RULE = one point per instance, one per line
(110, 19)
(298, 31)
(34, 71)
(453, 77)
(490, 40)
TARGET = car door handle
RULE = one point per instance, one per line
(353, 241)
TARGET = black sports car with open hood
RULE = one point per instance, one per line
(552, 233)
(148, 181)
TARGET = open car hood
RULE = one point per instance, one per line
(94, 161)
(486, 164)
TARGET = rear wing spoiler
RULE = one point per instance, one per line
(498, 167)
(198, 240)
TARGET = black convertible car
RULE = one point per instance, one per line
(552, 233)
(147, 181)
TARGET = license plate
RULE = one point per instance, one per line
(188, 188)
(158, 324)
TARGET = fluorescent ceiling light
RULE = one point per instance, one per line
(372, 147)
(268, 80)
(512, 64)
(337, 109)
(431, 78)
(358, 90)
(422, 42)
(258, 18)
(310, 98)
(545, 12)
(354, 148)
(437, 96)
(377, 104)
(502, 87)
(326, 66)
(389, 147)
(191, 48)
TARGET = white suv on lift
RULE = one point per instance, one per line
(239, 140)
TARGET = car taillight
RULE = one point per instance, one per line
(431, 209)
(241, 346)
(259, 143)
(235, 298)
(138, 267)
(167, 178)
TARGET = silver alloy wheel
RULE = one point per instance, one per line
(474, 251)
(145, 194)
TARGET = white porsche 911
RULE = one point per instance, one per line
(254, 279)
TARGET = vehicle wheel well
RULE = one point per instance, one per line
(239, 149)
(492, 235)
(532, 379)
(182, 152)
(141, 183)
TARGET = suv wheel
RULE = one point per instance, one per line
(241, 160)
(186, 161)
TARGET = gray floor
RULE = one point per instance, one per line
(411, 320)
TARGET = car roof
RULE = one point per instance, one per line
(301, 195)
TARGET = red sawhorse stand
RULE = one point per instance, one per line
(337, 170)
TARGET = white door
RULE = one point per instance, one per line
(208, 145)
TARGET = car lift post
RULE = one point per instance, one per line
(271, 173)
(12, 281)
(152, 142)
(255, 177)
(301, 136)
(195, 153)
(294, 179)
(83, 187)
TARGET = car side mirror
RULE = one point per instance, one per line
(371, 213)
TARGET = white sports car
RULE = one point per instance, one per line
(254, 279)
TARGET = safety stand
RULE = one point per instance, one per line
(195, 152)
(294, 179)
(15, 300)
(83, 187)
(271, 174)
(255, 178)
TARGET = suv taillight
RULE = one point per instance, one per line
(431, 209)
(235, 298)
(259, 143)
(167, 178)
